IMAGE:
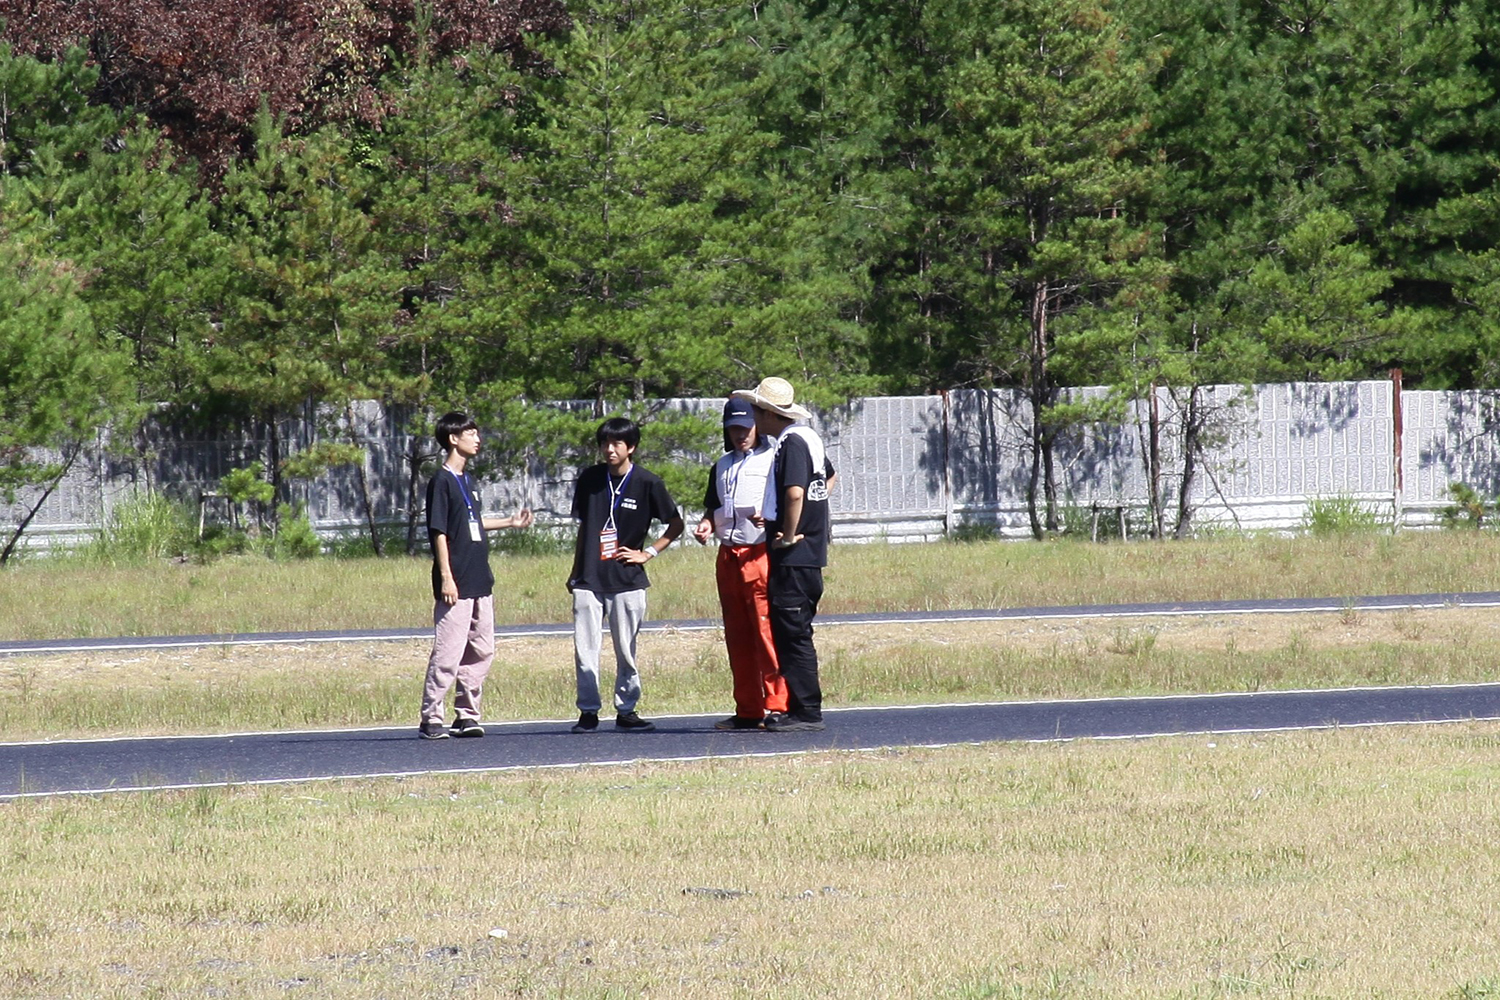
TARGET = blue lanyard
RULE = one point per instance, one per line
(463, 491)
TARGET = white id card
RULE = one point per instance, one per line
(609, 543)
(473, 531)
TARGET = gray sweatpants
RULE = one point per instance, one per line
(625, 612)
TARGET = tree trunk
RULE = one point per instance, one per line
(364, 485)
(1153, 466)
(278, 485)
(413, 487)
(1036, 467)
(1041, 437)
(1192, 444)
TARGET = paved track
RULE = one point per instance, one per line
(172, 762)
(95, 766)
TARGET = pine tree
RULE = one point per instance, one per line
(1015, 155)
(60, 385)
(305, 307)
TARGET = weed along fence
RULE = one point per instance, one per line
(920, 467)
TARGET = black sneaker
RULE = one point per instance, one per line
(630, 722)
(466, 727)
(587, 722)
(433, 731)
(779, 722)
(739, 722)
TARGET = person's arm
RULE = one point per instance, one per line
(797, 473)
(445, 568)
(711, 503)
(705, 529)
(520, 519)
(577, 559)
(646, 553)
(663, 509)
(791, 516)
(578, 512)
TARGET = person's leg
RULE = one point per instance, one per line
(762, 643)
(794, 592)
(450, 633)
(626, 611)
(478, 655)
(588, 636)
(741, 632)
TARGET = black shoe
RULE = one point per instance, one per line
(631, 722)
(433, 731)
(466, 727)
(779, 722)
(739, 722)
(587, 722)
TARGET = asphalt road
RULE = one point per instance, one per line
(98, 766)
(137, 764)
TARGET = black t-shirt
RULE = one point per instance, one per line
(448, 514)
(641, 499)
(794, 467)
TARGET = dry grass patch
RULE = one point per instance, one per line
(41, 599)
(359, 684)
(1351, 863)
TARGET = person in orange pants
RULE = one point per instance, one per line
(731, 512)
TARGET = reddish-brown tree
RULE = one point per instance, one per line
(198, 69)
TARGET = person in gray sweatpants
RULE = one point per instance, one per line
(615, 504)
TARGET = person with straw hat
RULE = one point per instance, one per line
(732, 514)
(795, 509)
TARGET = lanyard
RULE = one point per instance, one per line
(615, 494)
(732, 476)
(463, 491)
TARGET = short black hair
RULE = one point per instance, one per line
(618, 429)
(451, 424)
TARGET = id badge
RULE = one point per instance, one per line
(473, 531)
(609, 543)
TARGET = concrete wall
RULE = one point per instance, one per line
(916, 467)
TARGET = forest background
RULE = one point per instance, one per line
(226, 213)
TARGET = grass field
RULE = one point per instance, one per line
(217, 689)
(1334, 864)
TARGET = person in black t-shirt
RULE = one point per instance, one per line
(614, 504)
(797, 526)
(463, 643)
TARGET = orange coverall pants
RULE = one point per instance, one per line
(741, 572)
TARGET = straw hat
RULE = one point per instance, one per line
(776, 395)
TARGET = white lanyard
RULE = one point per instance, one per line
(732, 477)
(615, 495)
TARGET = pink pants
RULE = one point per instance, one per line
(741, 573)
(463, 647)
